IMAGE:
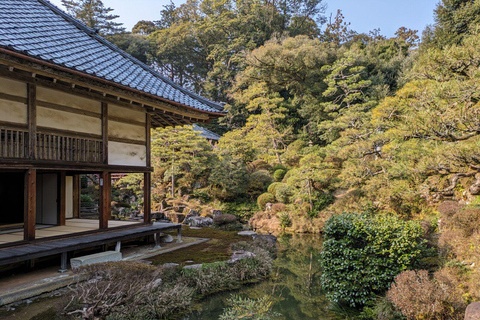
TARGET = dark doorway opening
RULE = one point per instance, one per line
(11, 199)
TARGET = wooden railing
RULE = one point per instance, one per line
(70, 149)
(14, 143)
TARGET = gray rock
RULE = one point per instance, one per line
(269, 238)
(193, 266)
(166, 238)
(170, 265)
(239, 255)
(247, 233)
(195, 228)
(200, 221)
(473, 311)
(217, 212)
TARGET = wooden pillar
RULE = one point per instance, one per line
(77, 190)
(32, 120)
(105, 132)
(147, 197)
(105, 199)
(62, 198)
(148, 140)
(30, 204)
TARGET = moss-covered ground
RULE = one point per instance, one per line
(216, 249)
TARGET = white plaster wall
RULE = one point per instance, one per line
(15, 88)
(12, 111)
(126, 113)
(126, 154)
(57, 119)
(126, 131)
(69, 100)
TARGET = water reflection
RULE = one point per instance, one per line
(294, 287)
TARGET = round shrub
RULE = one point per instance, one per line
(283, 193)
(279, 166)
(362, 255)
(279, 174)
(323, 200)
(272, 188)
(285, 220)
(225, 218)
(263, 199)
(259, 181)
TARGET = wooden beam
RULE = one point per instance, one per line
(105, 199)
(76, 195)
(147, 197)
(30, 204)
(148, 140)
(62, 198)
(32, 119)
(105, 131)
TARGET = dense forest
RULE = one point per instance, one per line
(323, 120)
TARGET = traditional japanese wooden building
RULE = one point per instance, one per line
(71, 103)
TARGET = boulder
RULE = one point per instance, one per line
(239, 255)
(196, 221)
(163, 205)
(166, 238)
(193, 266)
(158, 215)
(170, 265)
(266, 237)
(473, 311)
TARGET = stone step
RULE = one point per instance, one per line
(95, 258)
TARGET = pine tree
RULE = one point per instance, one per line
(94, 14)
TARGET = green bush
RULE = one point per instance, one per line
(284, 193)
(285, 220)
(259, 181)
(279, 174)
(362, 255)
(265, 198)
(86, 200)
(202, 195)
(272, 188)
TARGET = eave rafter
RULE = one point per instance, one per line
(163, 113)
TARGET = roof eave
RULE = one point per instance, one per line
(108, 82)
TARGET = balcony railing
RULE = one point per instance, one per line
(15, 144)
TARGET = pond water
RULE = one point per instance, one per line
(294, 287)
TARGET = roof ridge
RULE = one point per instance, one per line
(93, 33)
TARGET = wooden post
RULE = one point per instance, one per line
(62, 198)
(148, 140)
(76, 196)
(147, 202)
(105, 132)
(30, 204)
(105, 199)
(32, 120)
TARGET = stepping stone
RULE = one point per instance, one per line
(247, 233)
(95, 258)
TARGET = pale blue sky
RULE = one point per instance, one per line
(364, 15)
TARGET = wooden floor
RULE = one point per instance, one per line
(51, 247)
(72, 226)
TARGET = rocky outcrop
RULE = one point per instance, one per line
(473, 311)
(195, 221)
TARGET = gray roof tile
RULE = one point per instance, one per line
(39, 29)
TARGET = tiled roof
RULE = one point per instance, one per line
(39, 29)
(207, 134)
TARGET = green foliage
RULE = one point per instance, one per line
(202, 195)
(362, 255)
(231, 178)
(259, 309)
(94, 14)
(322, 201)
(285, 220)
(283, 193)
(86, 200)
(279, 174)
(265, 198)
(272, 188)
